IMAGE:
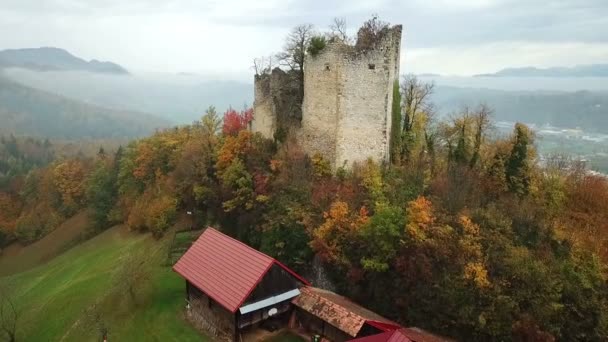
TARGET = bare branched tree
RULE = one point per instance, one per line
(9, 316)
(263, 65)
(416, 97)
(132, 274)
(93, 319)
(338, 31)
(482, 119)
(295, 47)
(294, 53)
(371, 32)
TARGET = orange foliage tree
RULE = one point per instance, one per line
(70, 180)
(10, 208)
(338, 231)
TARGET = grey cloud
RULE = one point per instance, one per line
(102, 7)
(544, 21)
(123, 28)
(505, 20)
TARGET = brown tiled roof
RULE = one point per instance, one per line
(339, 311)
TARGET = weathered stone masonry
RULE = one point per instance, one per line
(348, 94)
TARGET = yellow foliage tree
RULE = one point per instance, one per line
(419, 218)
(233, 147)
(332, 238)
(69, 178)
(471, 250)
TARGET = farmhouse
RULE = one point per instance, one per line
(230, 286)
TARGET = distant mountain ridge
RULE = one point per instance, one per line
(177, 98)
(51, 58)
(26, 111)
(593, 70)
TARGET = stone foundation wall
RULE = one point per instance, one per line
(213, 320)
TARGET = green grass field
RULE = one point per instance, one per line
(52, 298)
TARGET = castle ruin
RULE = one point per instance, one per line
(345, 114)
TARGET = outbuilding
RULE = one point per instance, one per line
(335, 317)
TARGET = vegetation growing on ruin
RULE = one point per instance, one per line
(396, 118)
(316, 45)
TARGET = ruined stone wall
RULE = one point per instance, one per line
(264, 119)
(277, 104)
(321, 106)
(365, 111)
(346, 114)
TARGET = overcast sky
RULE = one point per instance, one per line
(223, 36)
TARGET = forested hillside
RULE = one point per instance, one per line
(31, 112)
(461, 234)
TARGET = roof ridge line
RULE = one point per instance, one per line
(237, 241)
(289, 270)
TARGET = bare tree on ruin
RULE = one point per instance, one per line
(338, 31)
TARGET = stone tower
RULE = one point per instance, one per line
(348, 94)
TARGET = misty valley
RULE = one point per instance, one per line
(264, 172)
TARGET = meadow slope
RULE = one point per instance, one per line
(84, 279)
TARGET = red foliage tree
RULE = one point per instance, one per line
(234, 121)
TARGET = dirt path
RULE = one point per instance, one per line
(18, 258)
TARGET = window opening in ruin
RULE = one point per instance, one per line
(372, 66)
(326, 67)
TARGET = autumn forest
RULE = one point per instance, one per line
(463, 233)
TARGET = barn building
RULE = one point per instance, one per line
(231, 286)
(336, 317)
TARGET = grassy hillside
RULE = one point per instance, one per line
(80, 283)
(32, 112)
(18, 258)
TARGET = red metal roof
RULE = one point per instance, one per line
(403, 335)
(226, 269)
